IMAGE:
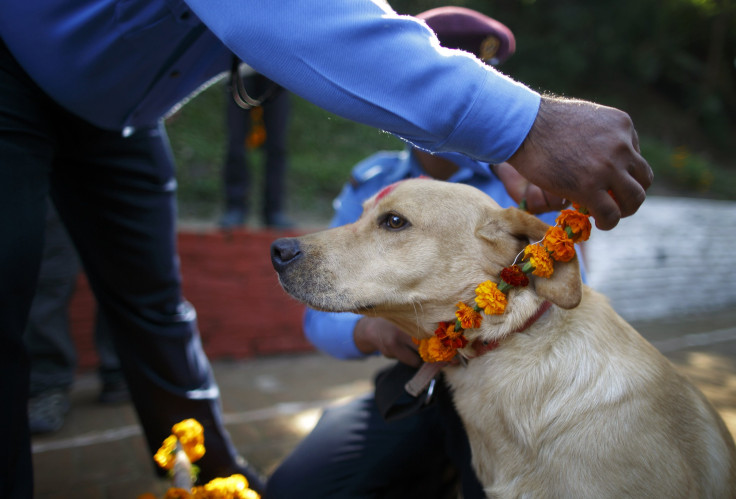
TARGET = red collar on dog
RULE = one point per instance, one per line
(481, 347)
(419, 382)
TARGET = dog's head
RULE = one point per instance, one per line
(419, 247)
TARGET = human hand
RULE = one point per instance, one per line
(520, 189)
(580, 151)
(374, 334)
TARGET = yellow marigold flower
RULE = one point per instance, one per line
(191, 435)
(188, 430)
(490, 299)
(578, 222)
(177, 493)
(468, 317)
(232, 487)
(559, 244)
(540, 260)
(164, 456)
(432, 350)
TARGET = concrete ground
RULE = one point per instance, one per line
(271, 402)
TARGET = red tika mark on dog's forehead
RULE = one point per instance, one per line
(384, 192)
(387, 190)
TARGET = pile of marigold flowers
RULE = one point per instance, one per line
(184, 446)
(558, 244)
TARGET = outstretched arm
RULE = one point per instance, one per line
(367, 63)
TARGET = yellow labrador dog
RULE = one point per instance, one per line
(578, 405)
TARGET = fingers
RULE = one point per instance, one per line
(540, 201)
(409, 357)
(398, 345)
(627, 189)
(640, 171)
(374, 334)
(515, 184)
(635, 140)
(604, 210)
(520, 189)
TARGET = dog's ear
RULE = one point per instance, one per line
(564, 288)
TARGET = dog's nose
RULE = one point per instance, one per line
(284, 251)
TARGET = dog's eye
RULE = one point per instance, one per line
(394, 222)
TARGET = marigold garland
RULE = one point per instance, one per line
(514, 276)
(189, 434)
(490, 299)
(232, 487)
(578, 224)
(469, 317)
(449, 337)
(558, 244)
(177, 493)
(539, 261)
(165, 455)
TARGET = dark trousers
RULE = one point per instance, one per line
(237, 172)
(116, 196)
(48, 338)
(354, 453)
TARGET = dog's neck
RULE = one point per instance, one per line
(483, 347)
(421, 380)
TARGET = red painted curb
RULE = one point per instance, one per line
(241, 309)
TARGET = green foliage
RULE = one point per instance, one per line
(323, 148)
(197, 136)
(688, 173)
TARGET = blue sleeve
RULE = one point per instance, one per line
(363, 61)
(332, 333)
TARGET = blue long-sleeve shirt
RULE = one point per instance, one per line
(125, 63)
(332, 333)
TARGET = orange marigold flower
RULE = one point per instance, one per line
(469, 318)
(559, 244)
(165, 455)
(449, 337)
(514, 276)
(177, 493)
(578, 223)
(490, 299)
(191, 436)
(432, 350)
(540, 260)
(441, 328)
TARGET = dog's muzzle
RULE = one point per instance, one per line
(284, 252)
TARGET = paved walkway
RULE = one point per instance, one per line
(676, 255)
(270, 402)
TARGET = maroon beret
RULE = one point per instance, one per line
(469, 30)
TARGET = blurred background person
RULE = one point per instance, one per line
(262, 126)
(49, 341)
